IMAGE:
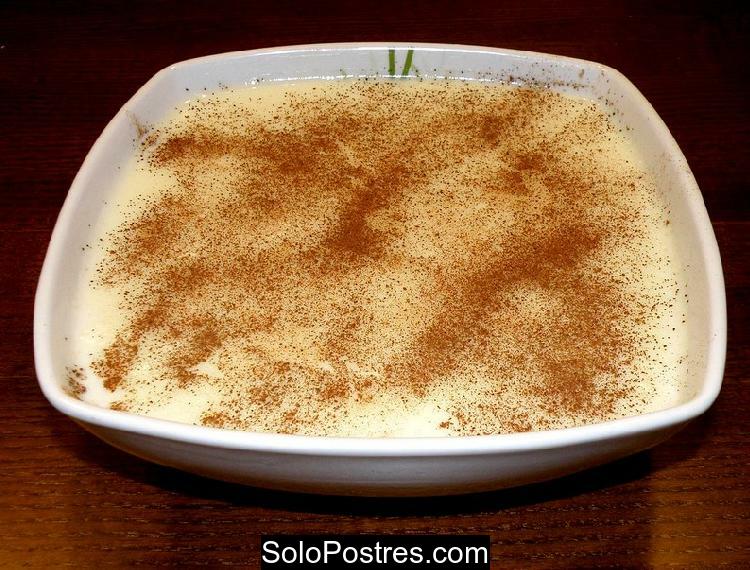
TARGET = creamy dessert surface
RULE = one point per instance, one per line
(382, 258)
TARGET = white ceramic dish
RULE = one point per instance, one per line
(387, 467)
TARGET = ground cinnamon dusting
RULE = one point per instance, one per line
(375, 249)
(75, 381)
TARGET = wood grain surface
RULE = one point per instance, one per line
(68, 499)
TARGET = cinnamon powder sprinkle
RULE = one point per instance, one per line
(359, 259)
(75, 376)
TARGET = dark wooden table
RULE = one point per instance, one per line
(68, 499)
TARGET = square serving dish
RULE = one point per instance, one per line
(387, 466)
